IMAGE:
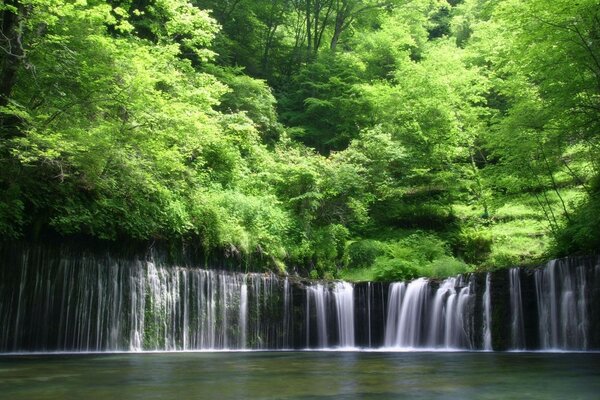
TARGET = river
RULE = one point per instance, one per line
(301, 375)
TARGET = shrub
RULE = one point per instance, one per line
(445, 266)
(391, 269)
(474, 245)
(362, 253)
(580, 235)
(419, 254)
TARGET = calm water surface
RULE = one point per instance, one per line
(301, 375)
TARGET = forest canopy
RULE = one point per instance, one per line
(360, 139)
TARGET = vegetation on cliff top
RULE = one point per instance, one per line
(347, 138)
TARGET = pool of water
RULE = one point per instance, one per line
(301, 375)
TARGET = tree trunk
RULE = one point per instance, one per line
(308, 31)
(318, 34)
(340, 20)
(12, 59)
(12, 50)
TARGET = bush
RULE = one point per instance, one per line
(474, 245)
(580, 235)
(362, 253)
(420, 246)
(390, 269)
(419, 254)
(444, 267)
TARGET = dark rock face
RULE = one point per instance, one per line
(65, 298)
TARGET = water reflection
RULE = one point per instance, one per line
(301, 375)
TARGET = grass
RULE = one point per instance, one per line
(517, 231)
(520, 229)
(367, 274)
(516, 211)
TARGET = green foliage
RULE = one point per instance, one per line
(11, 212)
(445, 266)
(580, 234)
(128, 153)
(391, 270)
(418, 254)
(247, 223)
(327, 248)
(362, 253)
(357, 275)
(357, 138)
(252, 97)
(474, 245)
(324, 101)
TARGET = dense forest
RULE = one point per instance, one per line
(356, 139)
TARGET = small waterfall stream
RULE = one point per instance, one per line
(91, 303)
(318, 295)
(487, 314)
(517, 329)
(243, 316)
(406, 308)
(343, 294)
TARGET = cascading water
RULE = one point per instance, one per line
(287, 306)
(369, 328)
(343, 294)
(90, 303)
(332, 309)
(397, 292)
(87, 305)
(417, 319)
(243, 315)
(318, 295)
(437, 331)
(563, 307)
(487, 314)
(458, 320)
(517, 330)
(407, 307)
(459, 324)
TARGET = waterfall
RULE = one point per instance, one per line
(99, 303)
(393, 316)
(319, 295)
(458, 330)
(415, 319)
(517, 330)
(343, 294)
(463, 336)
(285, 341)
(369, 328)
(407, 307)
(437, 322)
(333, 309)
(562, 306)
(307, 316)
(243, 315)
(487, 314)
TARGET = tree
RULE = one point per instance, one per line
(547, 71)
(324, 104)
